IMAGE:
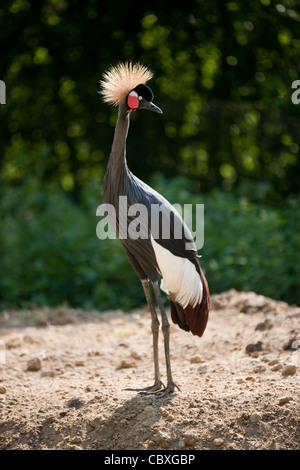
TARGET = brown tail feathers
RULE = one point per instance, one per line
(191, 318)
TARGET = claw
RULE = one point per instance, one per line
(170, 388)
(156, 389)
(148, 390)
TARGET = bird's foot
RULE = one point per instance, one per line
(170, 388)
(148, 390)
(157, 390)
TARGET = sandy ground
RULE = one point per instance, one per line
(64, 372)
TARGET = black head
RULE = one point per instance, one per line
(141, 97)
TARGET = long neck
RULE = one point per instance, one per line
(117, 170)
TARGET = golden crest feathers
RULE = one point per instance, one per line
(120, 79)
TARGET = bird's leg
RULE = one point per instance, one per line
(155, 330)
(166, 332)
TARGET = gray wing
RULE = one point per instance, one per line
(162, 220)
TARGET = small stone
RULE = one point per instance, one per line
(48, 373)
(136, 355)
(244, 415)
(203, 368)
(196, 360)
(284, 400)
(295, 344)
(255, 418)
(192, 404)
(218, 441)
(34, 365)
(2, 390)
(151, 443)
(292, 344)
(266, 325)
(259, 368)
(290, 369)
(273, 362)
(276, 367)
(125, 364)
(251, 348)
(190, 438)
(79, 363)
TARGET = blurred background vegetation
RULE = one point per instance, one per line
(228, 138)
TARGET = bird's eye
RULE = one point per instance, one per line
(140, 98)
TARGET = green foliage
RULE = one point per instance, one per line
(223, 76)
(256, 247)
(50, 253)
(230, 132)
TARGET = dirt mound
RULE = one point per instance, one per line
(64, 372)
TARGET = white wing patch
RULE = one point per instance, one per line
(180, 278)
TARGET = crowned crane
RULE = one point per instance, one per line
(172, 258)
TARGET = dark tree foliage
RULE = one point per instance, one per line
(223, 76)
(230, 132)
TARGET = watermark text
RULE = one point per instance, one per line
(2, 92)
(138, 221)
(296, 95)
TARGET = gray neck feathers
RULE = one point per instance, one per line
(117, 170)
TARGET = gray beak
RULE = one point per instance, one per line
(152, 107)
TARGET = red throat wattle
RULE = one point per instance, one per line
(133, 100)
